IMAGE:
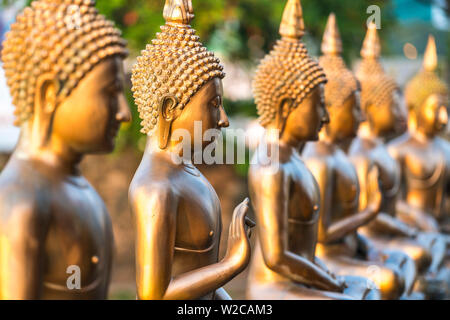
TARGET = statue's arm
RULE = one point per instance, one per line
(200, 282)
(272, 217)
(368, 176)
(331, 231)
(22, 249)
(412, 216)
(155, 223)
(416, 217)
(394, 226)
(155, 214)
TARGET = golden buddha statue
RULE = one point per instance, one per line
(177, 83)
(380, 100)
(423, 156)
(340, 245)
(56, 238)
(288, 90)
(424, 159)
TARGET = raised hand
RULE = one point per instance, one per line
(238, 249)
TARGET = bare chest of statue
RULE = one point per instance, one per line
(388, 168)
(389, 177)
(80, 235)
(76, 236)
(345, 187)
(303, 209)
(198, 225)
(425, 175)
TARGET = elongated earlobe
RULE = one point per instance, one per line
(166, 117)
(47, 88)
(282, 114)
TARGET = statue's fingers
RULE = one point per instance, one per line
(236, 219)
(249, 222)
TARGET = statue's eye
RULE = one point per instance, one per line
(216, 102)
(115, 87)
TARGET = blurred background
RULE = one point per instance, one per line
(240, 32)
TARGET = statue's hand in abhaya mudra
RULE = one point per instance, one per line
(238, 247)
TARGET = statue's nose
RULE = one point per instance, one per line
(123, 113)
(443, 115)
(223, 121)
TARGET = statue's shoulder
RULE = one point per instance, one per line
(319, 150)
(318, 155)
(274, 173)
(361, 147)
(399, 146)
(150, 184)
(22, 177)
(156, 199)
(442, 143)
(151, 187)
(24, 195)
(153, 174)
(356, 146)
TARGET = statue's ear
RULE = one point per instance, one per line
(283, 113)
(45, 104)
(166, 113)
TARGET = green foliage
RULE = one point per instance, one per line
(245, 29)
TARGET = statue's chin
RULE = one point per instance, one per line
(106, 147)
(314, 137)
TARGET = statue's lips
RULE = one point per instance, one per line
(321, 125)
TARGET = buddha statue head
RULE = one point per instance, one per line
(177, 82)
(288, 85)
(380, 95)
(427, 95)
(64, 66)
(342, 92)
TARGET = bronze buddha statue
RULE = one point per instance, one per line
(340, 245)
(288, 90)
(424, 159)
(177, 83)
(67, 87)
(423, 156)
(381, 104)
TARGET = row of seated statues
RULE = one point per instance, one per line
(356, 209)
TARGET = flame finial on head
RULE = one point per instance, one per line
(292, 25)
(377, 88)
(178, 11)
(426, 82)
(341, 81)
(331, 43)
(175, 64)
(371, 46)
(430, 59)
(288, 71)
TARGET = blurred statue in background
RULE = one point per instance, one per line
(424, 159)
(380, 100)
(288, 90)
(66, 81)
(341, 215)
(177, 84)
(423, 156)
